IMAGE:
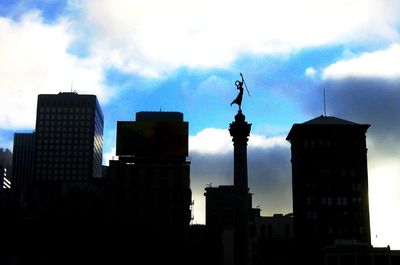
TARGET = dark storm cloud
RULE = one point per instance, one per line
(269, 176)
(372, 101)
(270, 179)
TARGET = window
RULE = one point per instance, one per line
(312, 215)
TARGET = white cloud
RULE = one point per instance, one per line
(218, 141)
(34, 60)
(383, 63)
(110, 155)
(310, 72)
(211, 141)
(151, 37)
(384, 197)
(261, 141)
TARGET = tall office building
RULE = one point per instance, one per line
(5, 168)
(150, 183)
(330, 182)
(23, 158)
(69, 138)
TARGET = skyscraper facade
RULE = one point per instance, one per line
(69, 138)
(330, 182)
(5, 168)
(150, 183)
(23, 158)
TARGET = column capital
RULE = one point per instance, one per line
(240, 129)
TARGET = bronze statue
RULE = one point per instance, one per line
(239, 85)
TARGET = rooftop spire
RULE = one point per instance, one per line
(324, 103)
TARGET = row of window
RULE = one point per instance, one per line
(277, 231)
(313, 215)
(65, 123)
(329, 188)
(63, 129)
(63, 164)
(81, 175)
(65, 109)
(334, 201)
(324, 143)
(61, 147)
(341, 172)
(64, 135)
(64, 153)
(62, 141)
(58, 117)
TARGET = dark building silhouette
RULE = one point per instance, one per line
(6, 168)
(150, 183)
(23, 159)
(272, 240)
(220, 207)
(67, 185)
(348, 253)
(240, 131)
(148, 190)
(62, 216)
(69, 138)
(220, 218)
(330, 182)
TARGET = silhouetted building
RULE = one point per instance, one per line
(278, 226)
(149, 186)
(205, 246)
(69, 138)
(348, 252)
(220, 207)
(240, 131)
(220, 216)
(5, 168)
(330, 182)
(272, 240)
(23, 159)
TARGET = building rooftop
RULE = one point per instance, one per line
(329, 120)
(159, 116)
(323, 120)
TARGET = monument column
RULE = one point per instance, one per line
(240, 131)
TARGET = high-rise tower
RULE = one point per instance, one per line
(240, 131)
(69, 138)
(330, 182)
(23, 157)
(150, 183)
(5, 168)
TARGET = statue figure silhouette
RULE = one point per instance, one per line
(238, 99)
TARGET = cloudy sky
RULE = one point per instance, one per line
(185, 55)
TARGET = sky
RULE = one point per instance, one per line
(185, 55)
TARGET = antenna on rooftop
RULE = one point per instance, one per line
(324, 103)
